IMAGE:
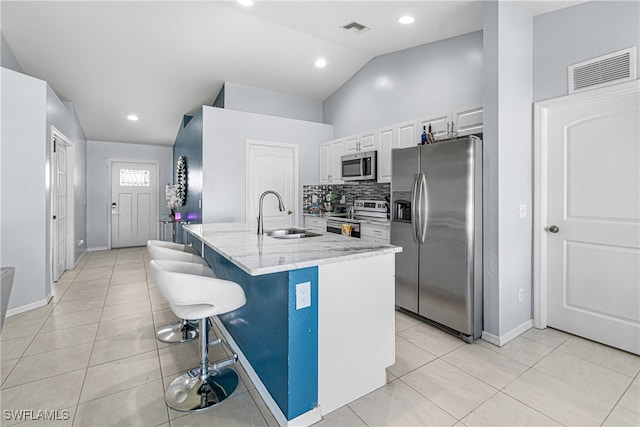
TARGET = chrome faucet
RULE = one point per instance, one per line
(260, 219)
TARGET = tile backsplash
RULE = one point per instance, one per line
(351, 192)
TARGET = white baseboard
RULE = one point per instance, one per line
(308, 418)
(505, 338)
(28, 307)
(98, 248)
(82, 255)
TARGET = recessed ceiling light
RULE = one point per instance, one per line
(132, 117)
(406, 19)
(320, 62)
(246, 2)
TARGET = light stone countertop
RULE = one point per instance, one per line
(256, 255)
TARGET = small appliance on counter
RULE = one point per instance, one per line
(331, 203)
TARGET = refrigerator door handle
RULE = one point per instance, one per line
(422, 207)
(415, 222)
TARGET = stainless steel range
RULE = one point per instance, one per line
(363, 210)
(373, 210)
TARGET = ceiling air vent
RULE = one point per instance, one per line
(355, 27)
(605, 70)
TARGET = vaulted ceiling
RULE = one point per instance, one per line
(160, 60)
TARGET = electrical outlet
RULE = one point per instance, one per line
(521, 295)
(522, 211)
(303, 295)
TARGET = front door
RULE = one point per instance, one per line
(134, 203)
(272, 166)
(593, 218)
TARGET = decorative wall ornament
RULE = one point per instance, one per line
(181, 179)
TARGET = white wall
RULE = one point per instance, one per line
(508, 42)
(426, 80)
(63, 116)
(30, 109)
(576, 34)
(24, 174)
(253, 100)
(98, 155)
(7, 58)
(224, 140)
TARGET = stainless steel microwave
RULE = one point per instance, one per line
(359, 166)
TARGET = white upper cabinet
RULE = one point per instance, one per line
(407, 134)
(351, 144)
(387, 139)
(337, 150)
(440, 125)
(469, 120)
(325, 165)
(329, 167)
(361, 142)
(368, 142)
(465, 121)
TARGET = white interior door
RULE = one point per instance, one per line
(134, 203)
(59, 201)
(593, 217)
(272, 166)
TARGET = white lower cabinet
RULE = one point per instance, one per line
(375, 233)
(314, 223)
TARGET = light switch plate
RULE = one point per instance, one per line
(522, 211)
(303, 295)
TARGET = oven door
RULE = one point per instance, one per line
(335, 227)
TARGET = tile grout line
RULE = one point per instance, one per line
(93, 344)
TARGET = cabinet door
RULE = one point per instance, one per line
(469, 120)
(315, 224)
(325, 159)
(368, 142)
(379, 233)
(438, 124)
(386, 138)
(337, 150)
(407, 134)
(351, 144)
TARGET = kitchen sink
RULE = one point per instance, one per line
(291, 233)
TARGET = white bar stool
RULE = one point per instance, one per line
(191, 296)
(182, 330)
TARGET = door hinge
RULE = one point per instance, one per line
(54, 145)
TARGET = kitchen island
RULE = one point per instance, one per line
(318, 329)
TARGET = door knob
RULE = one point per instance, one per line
(289, 212)
(553, 229)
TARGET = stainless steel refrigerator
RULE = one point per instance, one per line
(436, 213)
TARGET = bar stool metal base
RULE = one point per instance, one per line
(180, 331)
(189, 392)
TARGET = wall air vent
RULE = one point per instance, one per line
(355, 27)
(616, 67)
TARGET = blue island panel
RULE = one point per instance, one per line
(280, 342)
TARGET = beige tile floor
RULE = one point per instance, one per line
(92, 355)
